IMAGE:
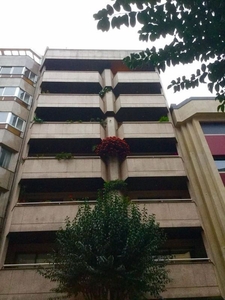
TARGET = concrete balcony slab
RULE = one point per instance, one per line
(65, 168)
(67, 130)
(50, 216)
(146, 130)
(152, 166)
(192, 280)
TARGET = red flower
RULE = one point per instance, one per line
(113, 146)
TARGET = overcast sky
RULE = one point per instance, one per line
(70, 24)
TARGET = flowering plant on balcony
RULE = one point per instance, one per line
(113, 146)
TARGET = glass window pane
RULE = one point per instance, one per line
(220, 165)
(26, 98)
(9, 91)
(13, 120)
(6, 70)
(25, 258)
(33, 77)
(27, 73)
(1, 91)
(21, 94)
(17, 70)
(16, 122)
(3, 117)
(42, 258)
(19, 124)
(213, 128)
(5, 157)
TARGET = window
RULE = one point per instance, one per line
(24, 96)
(17, 92)
(18, 71)
(3, 117)
(5, 70)
(9, 91)
(213, 128)
(31, 258)
(220, 163)
(29, 74)
(16, 122)
(5, 156)
(13, 120)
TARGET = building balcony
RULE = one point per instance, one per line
(62, 101)
(44, 168)
(61, 108)
(135, 77)
(24, 284)
(71, 76)
(146, 130)
(6, 178)
(50, 216)
(140, 107)
(69, 82)
(149, 138)
(189, 280)
(67, 131)
(155, 177)
(88, 60)
(152, 166)
(9, 138)
(136, 83)
(192, 280)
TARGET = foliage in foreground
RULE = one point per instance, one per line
(197, 29)
(109, 252)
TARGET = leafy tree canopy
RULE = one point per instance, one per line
(109, 252)
(197, 28)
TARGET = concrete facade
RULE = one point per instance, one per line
(18, 76)
(69, 115)
(206, 180)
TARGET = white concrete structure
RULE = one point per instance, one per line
(70, 116)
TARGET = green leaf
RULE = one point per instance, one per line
(132, 16)
(202, 77)
(104, 24)
(198, 72)
(196, 27)
(110, 9)
(210, 86)
(116, 6)
(203, 67)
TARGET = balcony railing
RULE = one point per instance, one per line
(81, 167)
(21, 51)
(48, 265)
(193, 277)
(146, 130)
(41, 216)
(67, 130)
(152, 166)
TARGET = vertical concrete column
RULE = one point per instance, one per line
(113, 165)
(109, 98)
(111, 128)
(113, 168)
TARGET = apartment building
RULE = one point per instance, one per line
(200, 130)
(57, 168)
(18, 76)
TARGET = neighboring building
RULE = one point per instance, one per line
(69, 116)
(18, 75)
(200, 131)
